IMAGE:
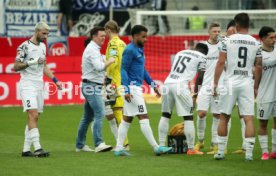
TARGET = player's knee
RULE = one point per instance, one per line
(263, 124)
(202, 114)
(110, 117)
(128, 119)
(216, 115)
(166, 115)
(274, 124)
(143, 116)
(33, 114)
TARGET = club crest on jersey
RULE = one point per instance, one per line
(19, 54)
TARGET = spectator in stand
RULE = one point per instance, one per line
(64, 19)
(196, 22)
(258, 4)
(162, 24)
(253, 4)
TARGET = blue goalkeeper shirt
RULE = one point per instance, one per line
(133, 70)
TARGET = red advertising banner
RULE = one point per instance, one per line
(71, 94)
(154, 45)
(60, 64)
(159, 52)
(10, 94)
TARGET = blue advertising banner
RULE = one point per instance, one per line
(21, 16)
(103, 5)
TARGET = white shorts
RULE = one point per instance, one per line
(108, 110)
(266, 110)
(32, 99)
(205, 99)
(244, 95)
(137, 105)
(180, 96)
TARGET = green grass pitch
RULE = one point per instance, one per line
(58, 127)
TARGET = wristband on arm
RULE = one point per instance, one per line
(55, 79)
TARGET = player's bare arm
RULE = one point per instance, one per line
(50, 75)
(198, 84)
(20, 66)
(219, 69)
(199, 81)
(258, 74)
(110, 61)
(157, 91)
(128, 97)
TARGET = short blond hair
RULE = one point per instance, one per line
(213, 25)
(41, 25)
(113, 26)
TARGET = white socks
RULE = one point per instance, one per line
(122, 133)
(215, 130)
(27, 141)
(201, 125)
(189, 131)
(113, 128)
(249, 144)
(273, 136)
(228, 133)
(34, 135)
(221, 144)
(243, 133)
(263, 139)
(163, 129)
(146, 130)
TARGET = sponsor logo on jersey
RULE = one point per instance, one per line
(269, 67)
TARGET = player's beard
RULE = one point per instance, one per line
(39, 39)
(140, 44)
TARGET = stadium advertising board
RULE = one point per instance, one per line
(10, 94)
(103, 5)
(67, 68)
(57, 46)
(21, 16)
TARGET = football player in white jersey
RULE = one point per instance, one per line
(176, 92)
(31, 63)
(266, 99)
(231, 29)
(241, 51)
(205, 98)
